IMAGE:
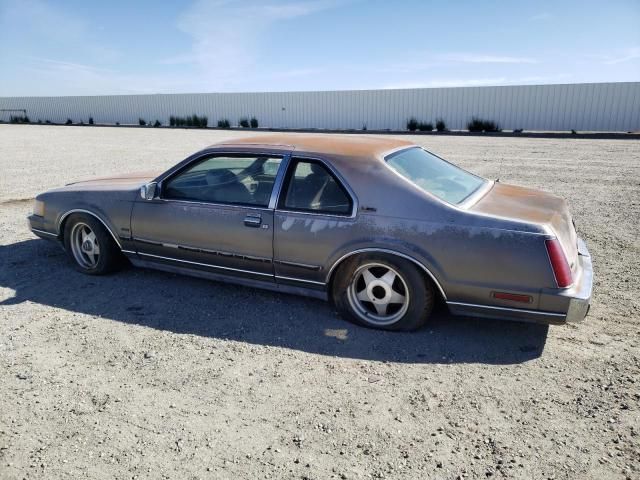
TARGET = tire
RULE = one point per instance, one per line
(365, 293)
(90, 246)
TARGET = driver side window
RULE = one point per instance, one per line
(229, 179)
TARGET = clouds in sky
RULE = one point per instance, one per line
(49, 48)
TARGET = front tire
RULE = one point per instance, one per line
(90, 246)
(383, 291)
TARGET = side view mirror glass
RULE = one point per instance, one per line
(148, 191)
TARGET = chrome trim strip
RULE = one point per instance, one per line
(300, 280)
(507, 309)
(301, 265)
(205, 264)
(391, 252)
(128, 251)
(210, 204)
(80, 210)
(44, 233)
(203, 250)
(297, 212)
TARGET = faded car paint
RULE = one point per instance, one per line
(492, 242)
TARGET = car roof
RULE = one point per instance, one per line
(342, 145)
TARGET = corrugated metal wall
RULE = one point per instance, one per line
(583, 107)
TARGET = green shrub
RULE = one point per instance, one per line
(141, 122)
(573, 132)
(47, 122)
(475, 125)
(19, 119)
(364, 127)
(157, 124)
(90, 120)
(479, 125)
(243, 122)
(412, 124)
(117, 124)
(189, 121)
(518, 130)
(491, 126)
(254, 122)
(425, 126)
(68, 122)
(440, 125)
(224, 123)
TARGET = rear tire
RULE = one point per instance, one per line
(90, 246)
(382, 291)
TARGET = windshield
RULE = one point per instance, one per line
(435, 175)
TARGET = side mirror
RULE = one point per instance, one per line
(148, 191)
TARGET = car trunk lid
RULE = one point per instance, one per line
(533, 206)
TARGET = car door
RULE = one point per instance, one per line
(214, 214)
(315, 216)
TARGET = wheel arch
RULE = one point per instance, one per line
(65, 216)
(429, 275)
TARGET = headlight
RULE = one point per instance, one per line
(38, 208)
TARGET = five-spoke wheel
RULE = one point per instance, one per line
(84, 245)
(90, 245)
(379, 294)
(382, 291)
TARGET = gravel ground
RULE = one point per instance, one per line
(149, 375)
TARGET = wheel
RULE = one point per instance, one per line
(90, 246)
(384, 292)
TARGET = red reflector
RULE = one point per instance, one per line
(514, 297)
(559, 263)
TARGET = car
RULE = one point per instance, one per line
(381, 227)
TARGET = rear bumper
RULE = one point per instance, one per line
(556, 306)
(579, 295)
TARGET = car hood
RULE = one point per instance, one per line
(533, 206)
(114, 182)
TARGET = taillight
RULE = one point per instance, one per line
(559, 263)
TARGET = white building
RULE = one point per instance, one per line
(605, 107)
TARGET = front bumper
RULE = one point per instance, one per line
(36, 225)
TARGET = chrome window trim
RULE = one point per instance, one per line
(277, 184)
(130, 252)
(44, 232)
(507, 309)
(80, 210)
(390, 252)
(338, 177)
(210, 153)
(171, 259)
(211, 204)
(465, 203)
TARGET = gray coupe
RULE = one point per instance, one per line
(379, 226)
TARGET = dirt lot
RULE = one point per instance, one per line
(148, 375)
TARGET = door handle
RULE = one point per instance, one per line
(252, 221)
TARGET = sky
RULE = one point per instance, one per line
(85, 47)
